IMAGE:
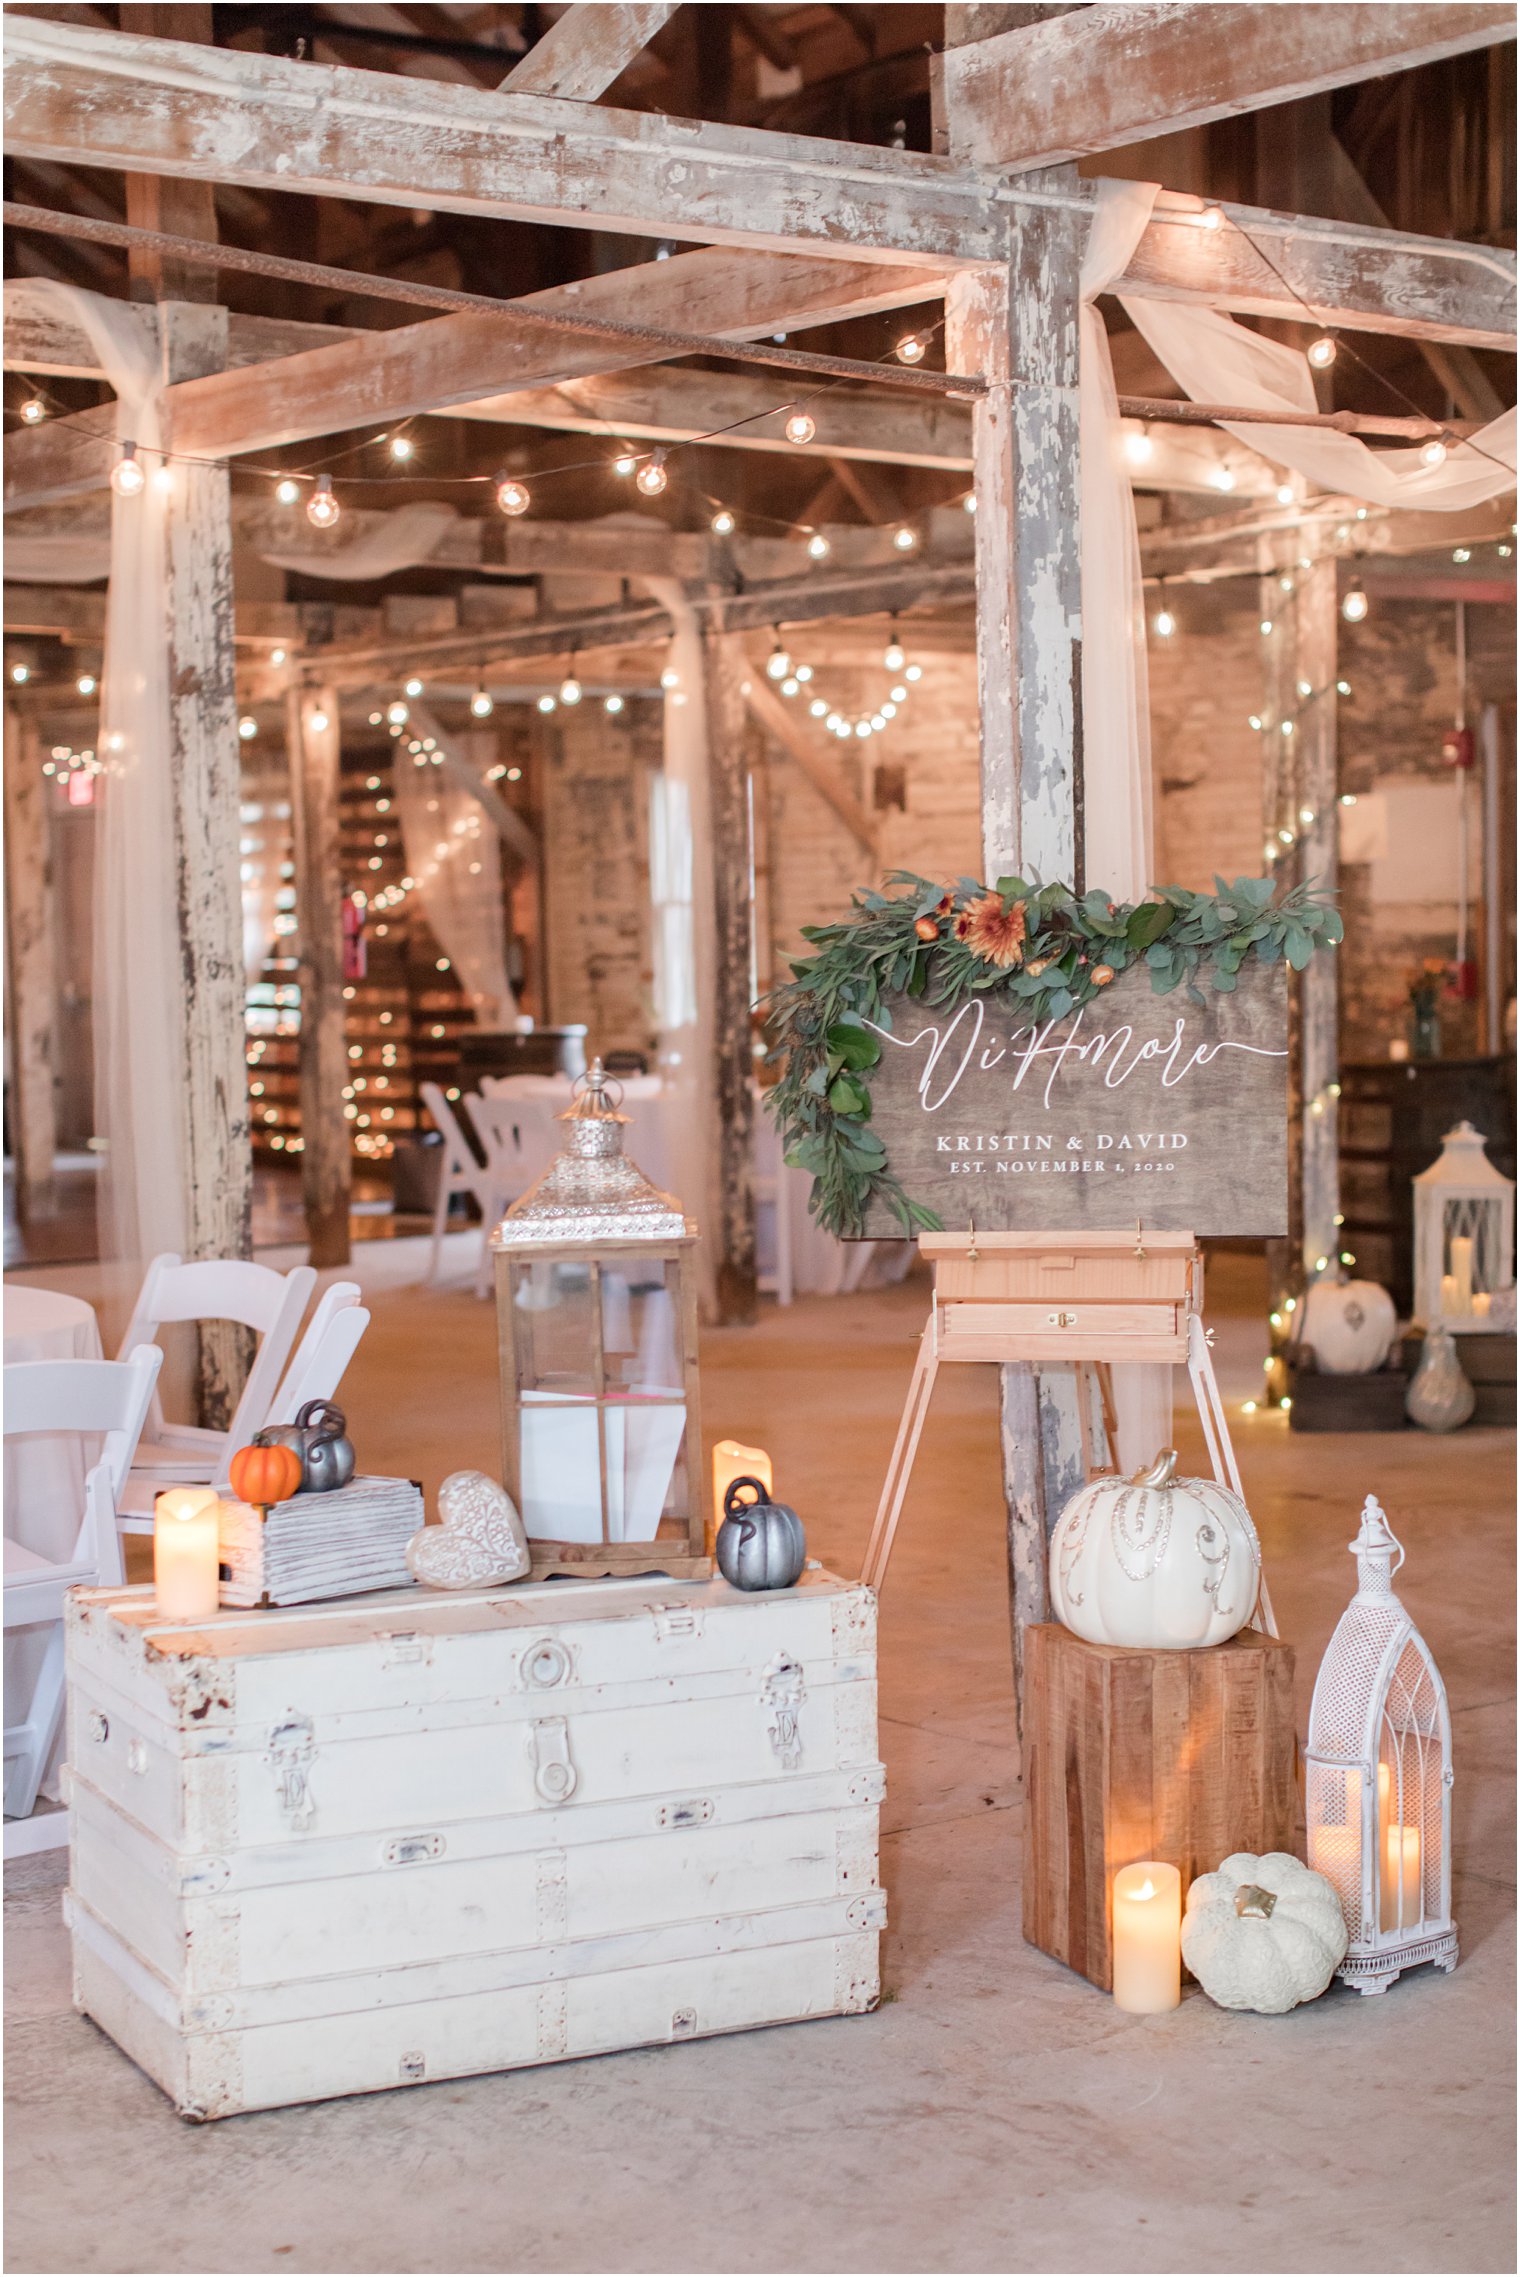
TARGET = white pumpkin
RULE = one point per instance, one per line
(1155, 1561)
(1350, 1325)
(1263, 1933)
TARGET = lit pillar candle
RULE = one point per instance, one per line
(1147, 1938)
(186, 1552)
(731, 1461)
(1481, 1304)
(1448, 1296)
(1461, 1271)
(1402, 1903)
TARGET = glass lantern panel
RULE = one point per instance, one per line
(1334, 1815)
(641, 1327)
(1479, 1221)
(554, 1326)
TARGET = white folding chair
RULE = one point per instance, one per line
(331, 1340)
(183, 1454)
(108, 1399)
(520, 1140)
(460, 1173)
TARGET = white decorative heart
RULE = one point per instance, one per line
(480, 1543)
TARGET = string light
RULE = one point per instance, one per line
(818, 546)
(1321, 352)
(791, 685)
(397, 714)
(613, 704)
(277, 656)
(1266, 628)
(778, 664)
(127, 477)
(1285, 494)
(287, 491)
(722, 524)
(1139, 449)
(1165, 623)
(248, 727)
(800, 428)
(322, 508)
(33, 411)
(547, 704)
(1223, 478)
(911, 349)
(401, 447)
(968, 503)
(1354, 606)
(899, 695)
(652, 477)
(914, 672)
(893, 657)
(804, 671)
(626, 461)
(511, 495)
(21, 673)
(1461, 553)
(818, 708)
(1434, 452)
(319, 723)
(570, 688)
(904, 539)
(163, 478)
(413, 686)
(86, 683)
(670, 677)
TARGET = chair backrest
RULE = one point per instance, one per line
(227, 1288)
(331, 1340)
(521, 1138)
(105, 1398)
(461, 1162)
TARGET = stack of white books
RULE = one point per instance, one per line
(320, 1545)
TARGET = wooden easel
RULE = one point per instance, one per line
(1085, 1299)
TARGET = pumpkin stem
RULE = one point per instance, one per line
(1162, 1471)
(1251, 1900)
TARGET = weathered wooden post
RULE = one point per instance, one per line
(31, 980)
(314, 744)
(729, 736)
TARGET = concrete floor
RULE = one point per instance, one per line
(996, 2113)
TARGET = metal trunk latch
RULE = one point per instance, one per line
(781, 1697)
(554, 1774)
(290, 1754)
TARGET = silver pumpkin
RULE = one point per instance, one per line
(761, 1544)
(319, 1435)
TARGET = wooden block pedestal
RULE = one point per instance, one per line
(1180, 1756)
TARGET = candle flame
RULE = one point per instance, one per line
(1147, 1889)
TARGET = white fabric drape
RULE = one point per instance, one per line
(1215, 360)
(141, 1075)
(684, 928)
(399, 539)
(453, 853)
(1117, 823)
(46, 557)
(1116, 809)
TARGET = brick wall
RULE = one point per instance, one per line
(595, 803)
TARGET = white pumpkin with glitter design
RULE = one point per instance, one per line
(481, 1541)
(1156, 1561)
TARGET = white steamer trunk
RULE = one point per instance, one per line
(340, 1848)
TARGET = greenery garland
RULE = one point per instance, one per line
(1036, 947)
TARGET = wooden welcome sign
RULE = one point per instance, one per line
(1135, 1106)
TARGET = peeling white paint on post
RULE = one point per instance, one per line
(730, 738)
(206, 772)
(1317, 605)
(31, 980)
(314, 747)
(1018, 327)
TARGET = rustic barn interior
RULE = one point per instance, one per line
(624, 484)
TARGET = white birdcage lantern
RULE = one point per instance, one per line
(1464, 1234)
(1379, 1776)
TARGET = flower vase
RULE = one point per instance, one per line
(1425, 1034)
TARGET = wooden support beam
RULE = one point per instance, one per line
(314, 748)
(59, 460)
(58, 612)
(592, 43)
(725, 673)
(30, 967)
(1105, 76)
(206, 777)
(164, 202)
(796, 739)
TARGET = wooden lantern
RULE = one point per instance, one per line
(597, 1323)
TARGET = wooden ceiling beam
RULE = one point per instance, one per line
(590, 45)
(1105, 76)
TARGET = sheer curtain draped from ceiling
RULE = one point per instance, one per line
(453, 851)
(138, 997)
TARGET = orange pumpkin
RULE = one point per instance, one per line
(265, 1474)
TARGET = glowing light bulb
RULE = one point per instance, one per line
(790, 685)
(911, 349)
(899, 695)
(904, 540)
(322, 509)
(862, 728)
(1223, 478)
(1165, 624)
(613, 704)
(482, 703)
(1461, 553)
(319, 723)
(570, 689)
(804, 672)
(968, 503)
(547, 704)
(397, 714)
(1266, 628)
(33, 411)
(818, 546)
(778, 664)
(1354, 606)
(163, 478)
(1434, 452)
(1285, 494)
(818, 708)
(277, 656)
(1321, 352)
(626, 462)
(892, 656)
(889, 711)
(1139, 449)
(1255, 721)
(914, 672)
(512, 495)
(670, 677)
(401, 447)
(1304, 688)
(652, 478)
(248, 727)
(86, 683)
(21, 673)
(800, 428)
(127, 477)
(722, 523)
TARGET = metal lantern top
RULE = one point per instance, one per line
(591, 1191)
(1464, 1233)
(1379, 1775)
